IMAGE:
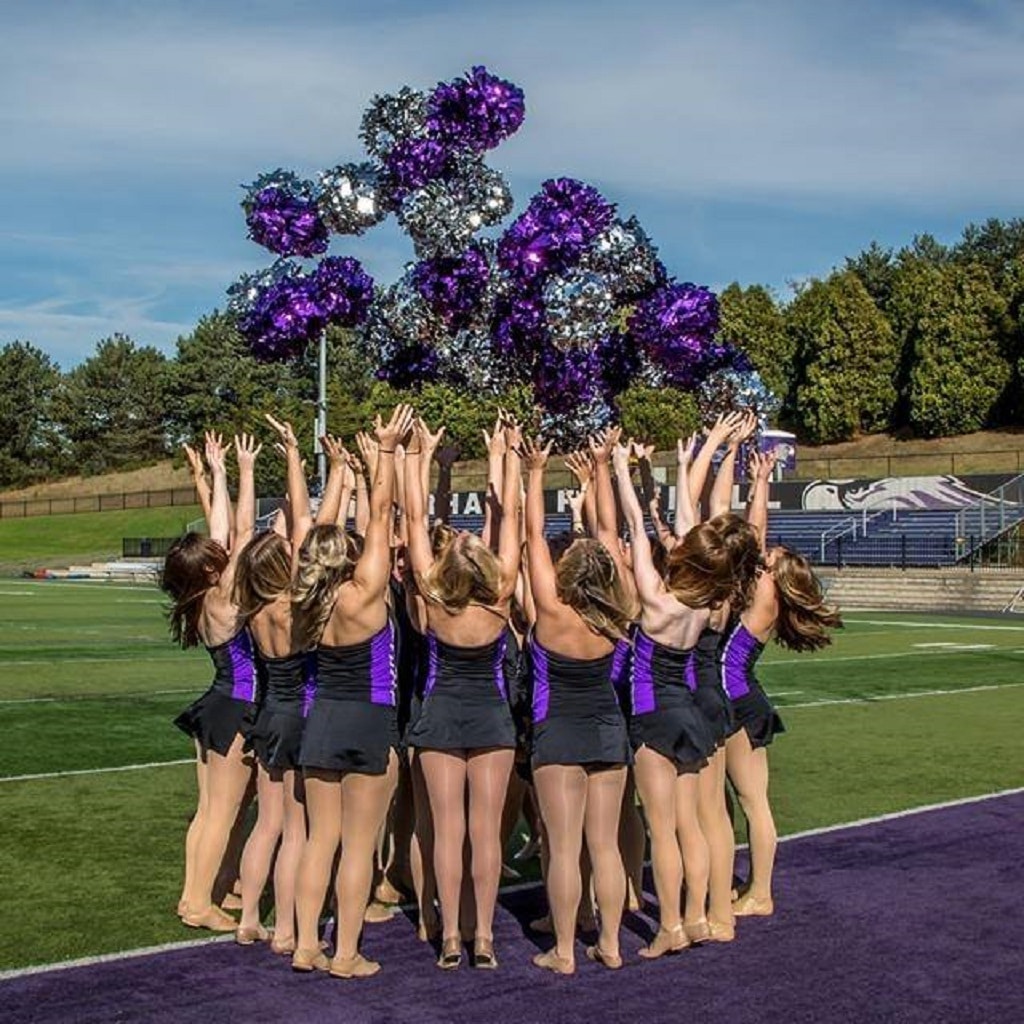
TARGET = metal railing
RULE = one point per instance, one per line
(23, 508)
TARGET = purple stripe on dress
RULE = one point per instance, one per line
(620, 661)
(382, 666)
(690, 674)
(431, 679)
(736, 662)
(243, 667)
(309, 684)
(541, 684)
(499, 666)
(642, 676)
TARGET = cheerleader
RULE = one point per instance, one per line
(464, 735)
(786, 603)
(198, 575)
(580, 747)
(349, 749)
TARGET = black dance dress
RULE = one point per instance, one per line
(752, 709)
(276, 735)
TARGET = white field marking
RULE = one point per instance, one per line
(959, 647)
(818, 662)
(86, 585)
(18, 593)
(108, 696)
(131, 954)
(903, 696)
(93, 771)
(936, 625)
(775, 693)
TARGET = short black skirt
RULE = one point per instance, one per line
(275, 738)
(215, 719)
(448, 723)
(590, 739)
(349, 736)
(755, 714)
(715, 706)
(678, 731)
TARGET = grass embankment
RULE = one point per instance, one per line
(58, 541)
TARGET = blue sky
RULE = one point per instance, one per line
(759, 142)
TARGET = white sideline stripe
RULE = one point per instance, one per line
(818, 662)
(130, 954)
(902, 696)
(936, 625)
(81, 585)
(93, 771)
(75, 698)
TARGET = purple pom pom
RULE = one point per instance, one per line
(518, 326)
(621, 362)
(475, 112)
(409, 367)
(566, 380)
(454, 286)
(411, 163)
(343, 290)
(675, 326)
(282, 215)
(284, 317)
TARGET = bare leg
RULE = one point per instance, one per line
(748, 770)
(227, 885)
(259, 852)
(694, 848)
(716, 825)
(286, 870)
(323, 809)
(195, 827)
(445, 774)
(632, 839)
(656, 780)
(601, 827)
(226, 779)
(365, 802)
(488, 773)
(422, 853)
(398, 877)
(562, 796)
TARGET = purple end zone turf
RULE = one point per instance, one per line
(918, 919)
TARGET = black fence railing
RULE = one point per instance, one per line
(22, 508)
(145, 547)
(913, 551)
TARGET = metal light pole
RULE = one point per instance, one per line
(321, 413)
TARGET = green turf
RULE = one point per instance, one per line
(82, 674)
(60, 540)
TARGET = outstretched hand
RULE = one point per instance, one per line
(246, 449)
(214, 451)
(602, 444)
(284, 430)
(428, 441)
(579, 464)
(495, 440)
(195, 460)
(534, 455)
(334, 449)
(723, 428)
(685, 449)
(391, 433)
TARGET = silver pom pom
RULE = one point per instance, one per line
(351, 199)
(390, 118)
(624, 253)
(244, 292)
(578, 308)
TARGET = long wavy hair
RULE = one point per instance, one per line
(263, 573)
(587, 580)
(192, 567)
(327, 559)
(715, 562)
(804, 618)
(465, 571)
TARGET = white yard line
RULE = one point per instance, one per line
(37, 776)
(818, 662)
(109, 696)
(130, 954)
(936, 625)
(902, 696)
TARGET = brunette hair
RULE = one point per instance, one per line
(465, 571)
(264, 572)
(804, 618)
(191, 568)
(715, 562)
(587, 580)
(327, 559)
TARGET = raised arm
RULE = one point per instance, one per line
(199, 481)
(721, 490)
(716, 437)
(538, 555)
(607, 508)
(373, 570)
(509, 542)
(495, 442)
(246, 450)
(330, 500)
(298, 495)
(421, 558)
(219, 519)
(580, 465)
(686, 510)
(429, 443)
(761, 467)
(649, 584)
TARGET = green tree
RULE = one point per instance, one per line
(31, 447)
(998, 246)
(846, 357)
(114, 407)
(953, 327)
(876, 268)
(657, 415)
(754, 323)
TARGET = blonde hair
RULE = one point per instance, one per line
(465, 571)
(264, 572)
(804, 618)
(587, 580)
(327, 559)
